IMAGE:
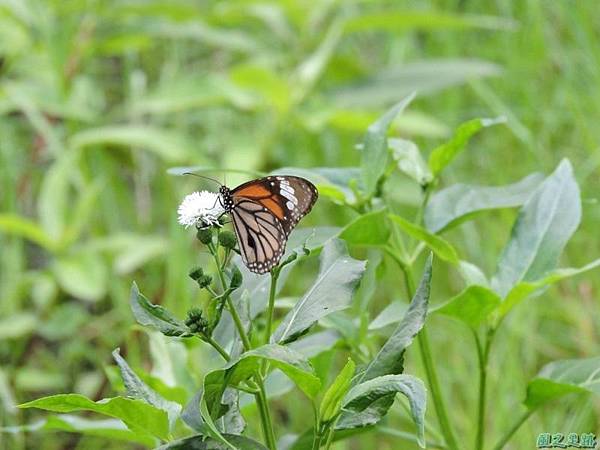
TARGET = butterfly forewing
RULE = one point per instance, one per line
(288, 198)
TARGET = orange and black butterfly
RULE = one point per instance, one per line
(264, 213)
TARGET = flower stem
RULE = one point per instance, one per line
(271, 307)
(234, 314)
(520, 421)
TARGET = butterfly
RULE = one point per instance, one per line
(264, 212)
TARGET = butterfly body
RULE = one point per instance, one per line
(264, 212)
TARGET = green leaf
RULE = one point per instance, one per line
(438, 245)
(168, 145)
(83, 275)
(371, 229)
(139, 416)
(389, 360)
(472, 306)
(332, 399)
(375, 152)
(564, 377)
(447, 207)
(18, 325)
(409, 160)
(363, 395)
(472, 274)
(289, 361)
(443, 155)
(200, 442)
(401, 21)
(107, 428)
(332, 291)
(16, 225)
(136, 388)
(392, 313)
(526, 289)
(424, 77)
(155, 316)
(545, 224)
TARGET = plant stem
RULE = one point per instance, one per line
(520, 421)
(482, 356)
(217, 347)
(432, 378)
(234, 314)
(271, 307)
(265, 415)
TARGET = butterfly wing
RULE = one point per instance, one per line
(260, 235)
(288, 198)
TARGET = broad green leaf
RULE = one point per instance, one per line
(371, 229)
(564, 377)
(424, 77)
(525, 289)
(316, 343)
(83, 275)
(472, 306)
(139, 250)
(332, 399)
(544, 226)
(460, 202)
(136, 388)
(401, 21)
(139, 416)
(107, 428)
(438, 245)
(16, 225)
(374, 155)
(443, 155)
(168, 145)
(332, 291)
(409, 160)
(389, 360)
(200, 442)
(365, 394)
(155, 316)
(210, 427)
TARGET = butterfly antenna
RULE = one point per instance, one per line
(202, 176)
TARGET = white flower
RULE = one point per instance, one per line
(200, 208)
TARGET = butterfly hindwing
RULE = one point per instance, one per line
(260, 235)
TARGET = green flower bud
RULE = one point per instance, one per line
(204, 281)
(195, 321)
(204, 235)
(236, 278)
(227, 239)
(196, 273)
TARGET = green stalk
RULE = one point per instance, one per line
(260, 396)
(482, 356)
(217, 347)
(265, 414)
(520, 421)
(271, 307)
(432, 378)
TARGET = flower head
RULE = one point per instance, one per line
(200, 208)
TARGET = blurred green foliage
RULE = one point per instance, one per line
(99, 98)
